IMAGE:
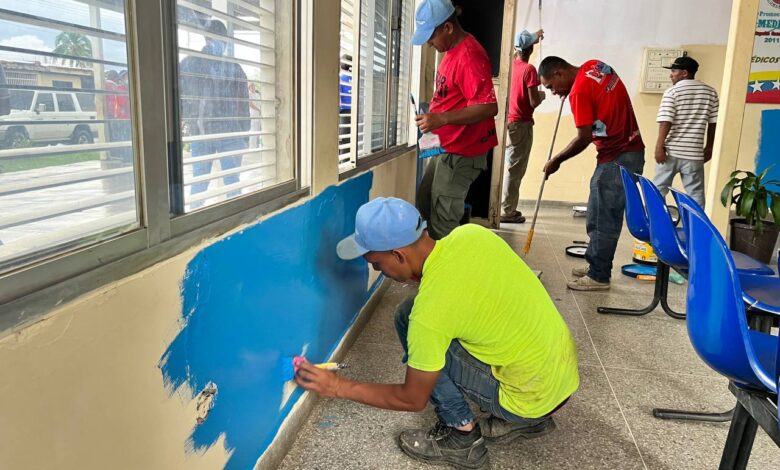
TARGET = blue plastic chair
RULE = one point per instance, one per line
(744, 263)
(761, 293)
(664, 236)
(638, 226)
(717, 321)
(636, 217)
(717, 327)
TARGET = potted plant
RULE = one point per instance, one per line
(752, 232)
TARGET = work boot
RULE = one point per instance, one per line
(580, 271)
(498, 431)
(445, 445)
(515, 217)
(586, 283)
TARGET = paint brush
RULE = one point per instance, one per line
(414, 104)
(290, 366)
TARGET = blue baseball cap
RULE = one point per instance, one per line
(524, 39)
(382, 224)
(429, 15)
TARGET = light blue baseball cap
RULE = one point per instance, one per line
(429, 15)
(382, 224)
(524, 39)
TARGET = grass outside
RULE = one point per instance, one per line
(10, 165)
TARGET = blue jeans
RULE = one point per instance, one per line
(606, 205)
(463, 374)
(226, 163)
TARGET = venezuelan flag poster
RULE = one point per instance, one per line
(764, 83)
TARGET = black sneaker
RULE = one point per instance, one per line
(445, 445)
(496, 430)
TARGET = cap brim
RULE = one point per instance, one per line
(349, 248)
(421, 35)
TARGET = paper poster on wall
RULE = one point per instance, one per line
(764, 82)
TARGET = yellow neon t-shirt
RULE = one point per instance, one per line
(475, 289)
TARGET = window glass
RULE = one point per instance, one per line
(372, 104)
(44, 103)
(236, 93)
(374, 77)
(65, 103)
(21, 100)
(65, 182)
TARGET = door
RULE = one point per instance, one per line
(45, 111)
(66, 114)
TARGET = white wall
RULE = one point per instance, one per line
(616, 32)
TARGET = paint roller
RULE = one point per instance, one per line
(290, 366)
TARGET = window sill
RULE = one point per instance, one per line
(32, 292)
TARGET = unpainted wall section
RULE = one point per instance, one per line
(85, 382)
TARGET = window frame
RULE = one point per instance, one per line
(32, 290)
(357, 164)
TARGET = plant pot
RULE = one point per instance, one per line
(743, 238)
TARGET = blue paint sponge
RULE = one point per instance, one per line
(290, 367)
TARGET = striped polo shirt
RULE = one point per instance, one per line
(690, 106)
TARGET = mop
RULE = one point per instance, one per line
(530, 236)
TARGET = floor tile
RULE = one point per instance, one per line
(676, 443)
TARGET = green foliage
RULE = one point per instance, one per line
(10, 165)
(751, 197)
(73, 44)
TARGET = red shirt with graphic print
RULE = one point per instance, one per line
(464, 79)
(598, 97)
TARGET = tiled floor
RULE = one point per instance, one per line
(628, 365)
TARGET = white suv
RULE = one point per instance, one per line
(55, 110)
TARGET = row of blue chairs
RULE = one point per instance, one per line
(724, 287)
(651, 222)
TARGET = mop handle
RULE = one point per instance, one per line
(541, 56)
(530, 237)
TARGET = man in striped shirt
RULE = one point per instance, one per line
(688, 112)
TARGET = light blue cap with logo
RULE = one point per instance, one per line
(429, 15)
(382, 224)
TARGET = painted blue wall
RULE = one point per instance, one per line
(769, 144)
(258, 296)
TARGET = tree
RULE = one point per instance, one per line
(73, 44)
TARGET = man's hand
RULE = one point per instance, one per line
(660, 155)
(551, 166)
(314, 379)
(540, 35)
(429, 121)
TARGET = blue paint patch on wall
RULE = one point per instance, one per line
(769, 144)
(260, 295)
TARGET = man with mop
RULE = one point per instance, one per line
(603, 115)
(482, 326)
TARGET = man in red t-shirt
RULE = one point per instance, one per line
(524, 97)
(603, 115)
(461, 116)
